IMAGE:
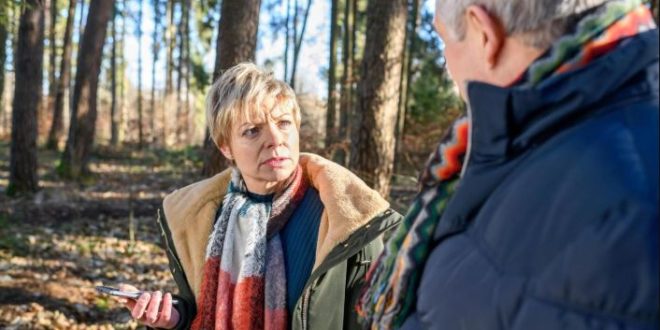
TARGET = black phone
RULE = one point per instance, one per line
(124, 294)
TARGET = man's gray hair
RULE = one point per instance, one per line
(538, 22)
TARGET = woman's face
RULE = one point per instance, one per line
(265, 149)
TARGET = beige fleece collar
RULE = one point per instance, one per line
(348, 205)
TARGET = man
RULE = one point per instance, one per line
(541, 211)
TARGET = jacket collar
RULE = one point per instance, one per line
(191, 211)
(505, 121)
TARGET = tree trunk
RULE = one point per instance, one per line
(83, 110)
(187, 62)
(27, 97)
(180, 113)
(4, 22)
(170, 42)
(114, 118)
(156, 50)
(346, 101)
(298, 45)
(287, 39)
(139, 91)
(52, 66)
(237, 42)
(372, 152)
(62, 84)
(406, 76)
(331, 115)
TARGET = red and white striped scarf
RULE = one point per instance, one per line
(244, 278)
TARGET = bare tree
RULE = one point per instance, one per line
(27, 97)
(237, 42)
(298, 44)
(372, 151)
(83, 110)
(62, 83)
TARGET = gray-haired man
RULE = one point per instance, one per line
(541, 210)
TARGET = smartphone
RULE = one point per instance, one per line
(124, 294)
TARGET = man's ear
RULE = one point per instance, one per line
(489, 32)
(226, 151)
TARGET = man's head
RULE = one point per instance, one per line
(494, 41)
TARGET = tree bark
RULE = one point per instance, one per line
(298, 45)
(27, 97)
(83, 110)
(372, 151)
(346, 100)
(52, 65)
(4, 22)
(331, 115)
(139, 89)
(55, 132)
(114, 118)
(155, 50)
(237, 42)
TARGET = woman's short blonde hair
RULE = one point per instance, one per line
(242, 93)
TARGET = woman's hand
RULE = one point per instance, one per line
(152, 309)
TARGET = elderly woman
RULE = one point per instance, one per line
(281, 240)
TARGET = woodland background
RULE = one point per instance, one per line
(102, 115)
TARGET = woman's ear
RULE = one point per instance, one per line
(489, 31)
(226, 151)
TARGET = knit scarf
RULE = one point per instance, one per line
(244, 278)
(392, 281)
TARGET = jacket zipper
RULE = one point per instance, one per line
(169, 248)
(304, 304)
(469, 141)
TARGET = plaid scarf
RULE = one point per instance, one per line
(393, 279)
(244, 278)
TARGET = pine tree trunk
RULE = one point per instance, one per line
(83, 110)
(114, 118)
(346, 101)
(372, 151)
(170, 42)
(139, 100)
(55, 133)
(52, 66)
(156, 50)
(331, 115)
(237, 42)
(180, 73)
(298, 45)
(4, 22)
(27, 97)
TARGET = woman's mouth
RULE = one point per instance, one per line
(276, 162)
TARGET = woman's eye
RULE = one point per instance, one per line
(251, 132)
(284, 123)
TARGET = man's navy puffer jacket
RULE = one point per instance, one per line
(555, 222)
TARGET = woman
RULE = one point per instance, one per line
(280, 240)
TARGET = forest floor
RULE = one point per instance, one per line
(59, 243)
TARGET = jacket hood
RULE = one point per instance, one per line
(508, 120)
(348, 205)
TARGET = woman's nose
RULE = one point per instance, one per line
(275, 136)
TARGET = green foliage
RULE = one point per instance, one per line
(432, 94)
